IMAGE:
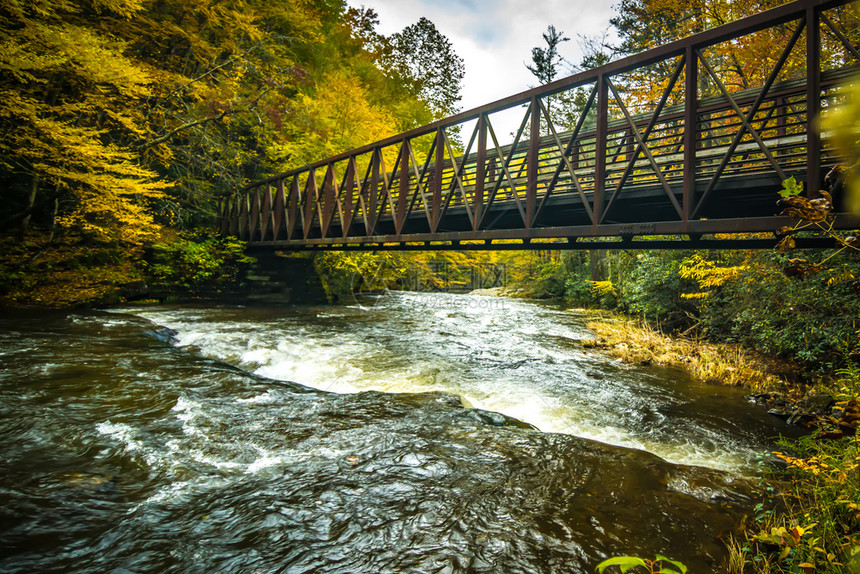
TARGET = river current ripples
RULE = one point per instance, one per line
(403, 433)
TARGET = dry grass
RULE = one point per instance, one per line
(634, 342)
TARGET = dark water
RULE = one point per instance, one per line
(124, 451)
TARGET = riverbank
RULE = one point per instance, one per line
(635, 342)
(808, 517)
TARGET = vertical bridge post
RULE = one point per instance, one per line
(600, 148)
(480, 173)
(532, 162)
(691, 130)
(813, 100)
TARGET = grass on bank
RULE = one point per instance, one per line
(811, 520)
(633, 341)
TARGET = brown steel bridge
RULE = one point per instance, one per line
(697, 163)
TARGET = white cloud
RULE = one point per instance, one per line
(495, 37)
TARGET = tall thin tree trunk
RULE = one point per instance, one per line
(31, 201)
(596, 258)
(54, 219)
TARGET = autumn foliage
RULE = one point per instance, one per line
(122, 119)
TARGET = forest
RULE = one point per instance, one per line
(125, 122)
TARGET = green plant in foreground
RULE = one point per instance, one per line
(659, 565)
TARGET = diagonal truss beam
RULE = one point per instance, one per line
(420, 174)
(664, 98)
(506, 164)
(845, 41)
(570, 145)
(565, 161)
(746, 118)
(644, 148)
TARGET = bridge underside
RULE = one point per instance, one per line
(741, 233)
(700, 166)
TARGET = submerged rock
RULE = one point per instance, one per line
(808, 411)
(163, 334)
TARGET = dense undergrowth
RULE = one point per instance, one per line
(72, 270)
(739, 297)
(809, 517)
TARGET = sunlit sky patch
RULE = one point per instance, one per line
(495, 37)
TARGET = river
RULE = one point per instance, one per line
(402, 433)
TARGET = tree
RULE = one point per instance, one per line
(123, 120)
(132, 115)
(426, 60)
(69, 108)
(546, 61)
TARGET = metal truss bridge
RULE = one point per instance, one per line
(667, 148)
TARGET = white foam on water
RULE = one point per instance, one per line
(540, 379)
(122, 433)
(187, 410)
(263, 462)
(263, 399)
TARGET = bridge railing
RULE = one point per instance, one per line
(698, 152)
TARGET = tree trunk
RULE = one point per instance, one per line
(31, 201)
(54, 219)
(596, 257)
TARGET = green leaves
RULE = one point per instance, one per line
(681, 569)
(624, 563)
(659, 565)
(196, 263)
(790, 188)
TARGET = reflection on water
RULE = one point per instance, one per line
(125, 453)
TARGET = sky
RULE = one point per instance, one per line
(495, 37)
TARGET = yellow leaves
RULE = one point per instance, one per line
(124, 8)
(337, 117)
(35, 49)
(816, 467)
(699, 295)
(96, 59)
(111, 190)
(811, 465)
(707, 274)
(21, 9)
(840, 276)
(71, 96)
(843, 124)
(786, 538)
(602, 287)
(18, 60)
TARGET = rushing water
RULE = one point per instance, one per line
(128, 448)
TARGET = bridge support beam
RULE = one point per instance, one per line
(600, 144)
(691, 130)
(813, 100)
